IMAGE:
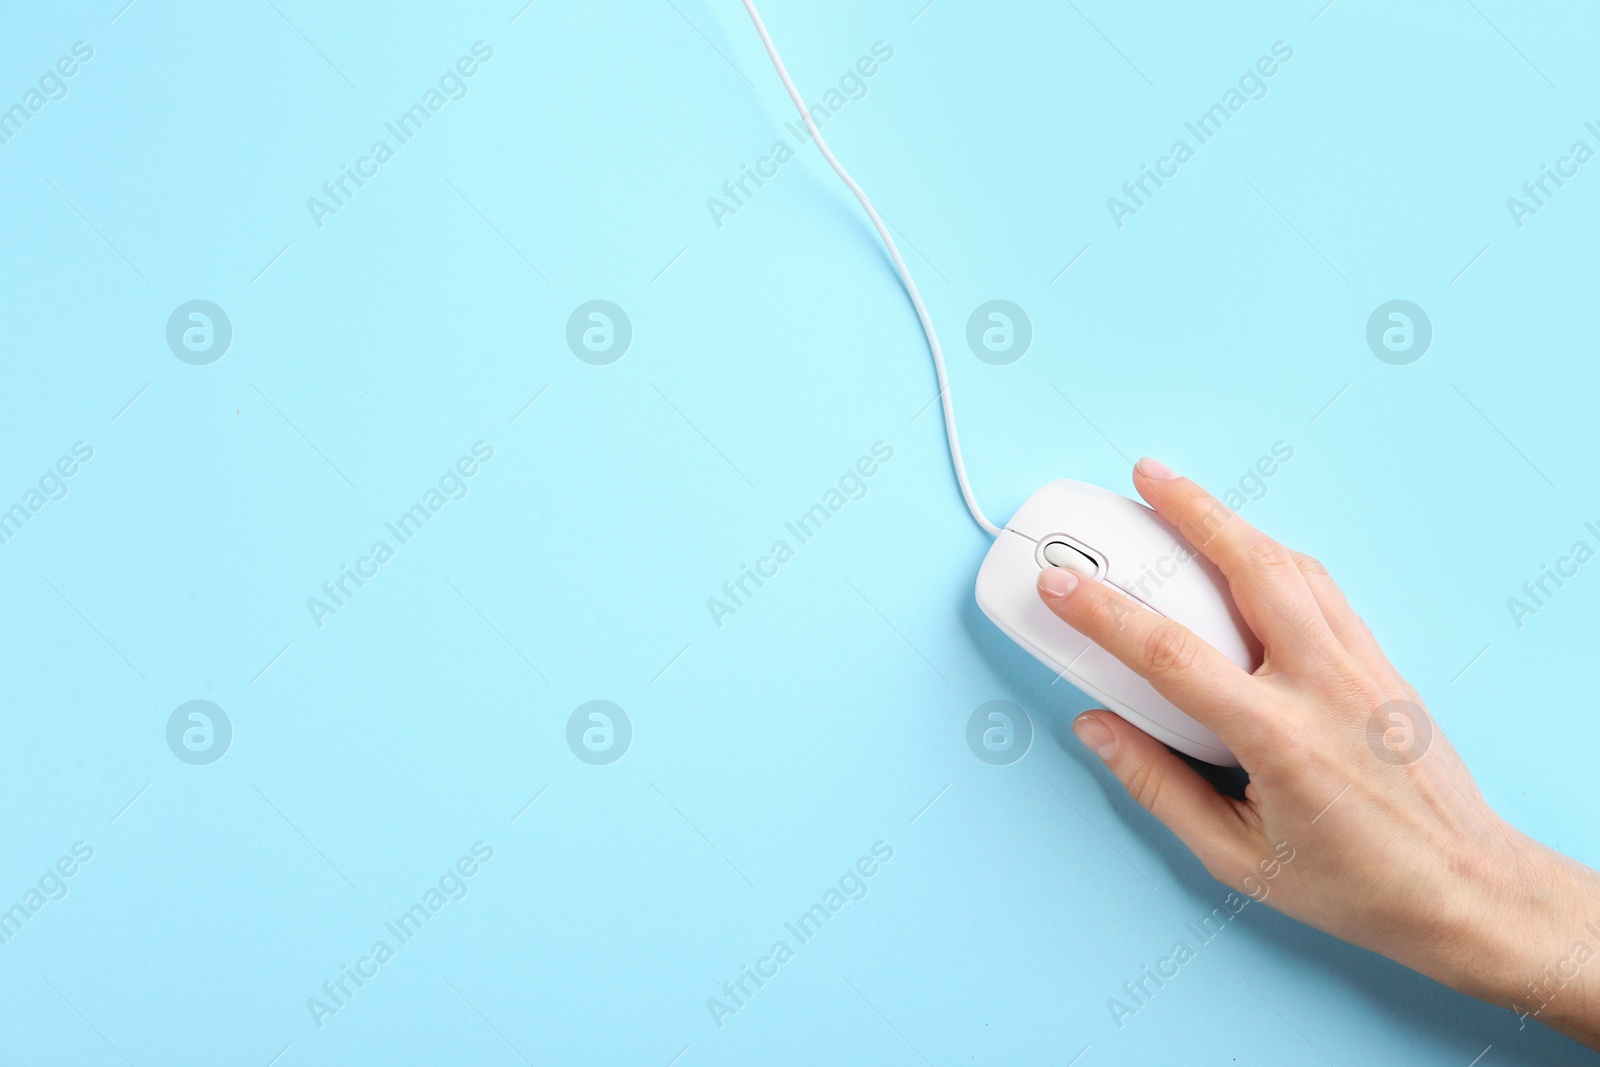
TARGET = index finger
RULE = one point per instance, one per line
(1199, 680)
(1267, 584)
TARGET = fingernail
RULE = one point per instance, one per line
(1154, 468)
(1096, 735)
(1057, 581)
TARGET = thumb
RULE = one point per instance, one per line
(1167, 787)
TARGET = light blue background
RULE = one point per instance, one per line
(768, 355)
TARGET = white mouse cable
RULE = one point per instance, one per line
(899, 266)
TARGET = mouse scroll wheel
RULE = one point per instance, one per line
(1061, 554)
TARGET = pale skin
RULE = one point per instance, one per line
(1393, 848)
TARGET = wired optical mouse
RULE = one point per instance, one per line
(1105, 537)
(1099, 534)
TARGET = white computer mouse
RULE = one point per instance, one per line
(1106, 537)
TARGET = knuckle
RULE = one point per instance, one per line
(1351, 688)
(1120, 611)
(1221, 859)
(1204, 519)
(1111, 612)
(1298, 750)
(1144, 786)
(1274, 733)
(1311, 566)
(1170, 649)
(1276, 717)
(1265, 554)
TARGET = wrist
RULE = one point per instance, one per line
(1534, 937)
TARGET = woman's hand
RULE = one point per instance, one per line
(1360, 818)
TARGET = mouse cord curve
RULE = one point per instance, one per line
(899, 266)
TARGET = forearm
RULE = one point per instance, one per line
(1536, 947)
